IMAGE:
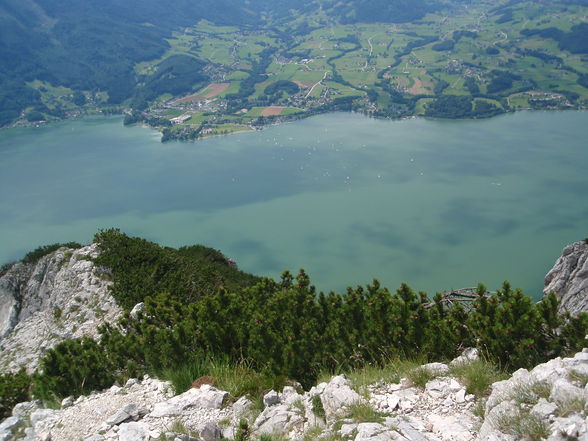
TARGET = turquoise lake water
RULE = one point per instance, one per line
(436, 204)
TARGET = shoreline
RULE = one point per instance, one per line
(277, 121)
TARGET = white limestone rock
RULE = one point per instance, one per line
(61, 296)
(563, 392)
(469, 355)
(272, 398)
(442, 387)
(278, 419)
(544, 410)
(568, 279)
(207, 397)
(139, 307)
(372, 432)
(436, 368)
(133, 431)
(337, 396)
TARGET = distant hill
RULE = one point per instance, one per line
(91, 45)
(59, 56)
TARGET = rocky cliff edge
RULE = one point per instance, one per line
(63, 295)
(568, 278)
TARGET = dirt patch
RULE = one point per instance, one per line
(211, 90)
(272, 111)
(417, 88)
(216, 89)
(304, 84)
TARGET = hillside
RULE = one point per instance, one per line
(195, 69)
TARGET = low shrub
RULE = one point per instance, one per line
(42, 251)
(14, 388)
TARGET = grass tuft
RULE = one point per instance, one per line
(363, 412)
(576, 405)
(578, 378)
(420, 377)
(317, 406)
(391, 372)
(239, 379)
(523, 425)
(478, 376)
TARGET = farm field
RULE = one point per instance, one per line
(491, 53)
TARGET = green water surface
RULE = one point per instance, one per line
(437, 204)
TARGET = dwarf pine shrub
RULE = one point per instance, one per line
(14, 388)
(198, 308)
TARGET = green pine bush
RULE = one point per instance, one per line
(14, 388)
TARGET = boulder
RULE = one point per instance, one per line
(278, 419)
(211, 432)
(337, 396)
(469, 355)
(67, 402)
(43, 414)
(372, 432)
(497, 418)
(139, 307)
(563, 392)
(133, 432)
(271, 398)
(242, 406)
(207, 397)
(131, 410)
(8, 427)
(25, 409)
(544, 410)
(436, 368)
(450, 427)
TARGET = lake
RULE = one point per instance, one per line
(437, 204)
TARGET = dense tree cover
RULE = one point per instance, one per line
(91, 45)
(501, 81)
(455, 106)
(286, 329)
(395, 11)
(136, 117)
(176, 75)
(458, 35)
(256, 75)
(445, 45)
(282, 86)
(450, 106)
(472, 85)
(74, 367)
(575, 41)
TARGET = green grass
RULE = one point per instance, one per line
(363, 412)
(523, 425)
(237, 379)
(317, 406)
(478, 376)
(419, 376)
(391, 372)
(291, 111)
